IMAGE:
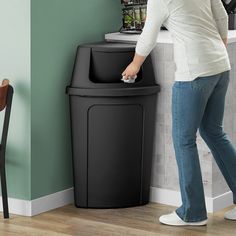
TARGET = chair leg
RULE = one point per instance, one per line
(4, 192)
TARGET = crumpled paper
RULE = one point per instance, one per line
(130, 79)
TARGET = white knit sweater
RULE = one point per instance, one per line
(197, 28)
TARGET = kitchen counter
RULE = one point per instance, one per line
(163, 37)
(164, 184)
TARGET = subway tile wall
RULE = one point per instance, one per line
(164, 168)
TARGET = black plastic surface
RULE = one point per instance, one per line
(115, 154)
(114, 92)
(232, 21)
(106, 67)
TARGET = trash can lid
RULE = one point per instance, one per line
(100, 65)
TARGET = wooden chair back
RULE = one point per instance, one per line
(3, 93)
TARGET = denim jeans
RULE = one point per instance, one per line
(199, 104)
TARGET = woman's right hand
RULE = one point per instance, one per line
(131, 71)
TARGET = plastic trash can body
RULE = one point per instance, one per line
(112, 134)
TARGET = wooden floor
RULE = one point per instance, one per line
(141, 221)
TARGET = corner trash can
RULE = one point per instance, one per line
(112, 127)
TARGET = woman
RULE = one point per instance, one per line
(199, 29)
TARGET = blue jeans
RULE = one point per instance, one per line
(200, 104)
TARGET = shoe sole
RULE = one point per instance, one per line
(186, 223)
(229, 218)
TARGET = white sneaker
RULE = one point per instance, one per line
(231, 214)
(174, 219)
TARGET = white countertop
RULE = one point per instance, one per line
(164, 36)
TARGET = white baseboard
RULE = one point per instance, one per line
(18, 206)
(40, 205)
(222, 201)
(173, 198)
(52, 201)
(65, 197)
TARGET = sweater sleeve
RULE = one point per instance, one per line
(221, 17)
(157, 13)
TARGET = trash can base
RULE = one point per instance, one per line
(112, 207)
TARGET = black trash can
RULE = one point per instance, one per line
(112, 127)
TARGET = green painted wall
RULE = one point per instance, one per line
(15, 65)
(57, 27)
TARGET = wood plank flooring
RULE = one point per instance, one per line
(132, 221)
